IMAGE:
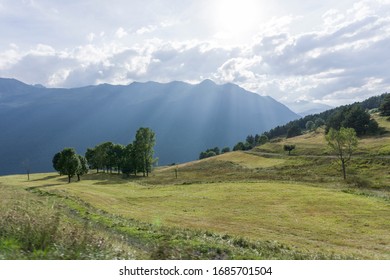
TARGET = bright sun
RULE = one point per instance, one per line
(236, 16)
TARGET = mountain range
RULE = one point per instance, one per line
(36, 122)
(305, 108)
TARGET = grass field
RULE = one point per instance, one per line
(260, 204)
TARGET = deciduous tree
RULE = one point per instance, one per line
(68, 162)
(343, 143)
(56, 162)
(128, 163)
(288, 148)
(144, 149)
(83, 167)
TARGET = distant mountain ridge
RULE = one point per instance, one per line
(305, 108)
(36, 122)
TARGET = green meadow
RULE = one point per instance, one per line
(259, 204)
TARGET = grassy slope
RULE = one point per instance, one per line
(262, 196)
(294, 214)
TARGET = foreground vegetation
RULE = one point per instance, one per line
(62, 224)
(105, 216)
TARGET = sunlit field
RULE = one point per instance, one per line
(253, 205)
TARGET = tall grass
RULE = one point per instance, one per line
(35, 229)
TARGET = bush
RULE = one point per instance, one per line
(358, 182)
(288, 148)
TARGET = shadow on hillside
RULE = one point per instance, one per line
(48, 186)
(41, 187)
(110, 178)
(46, 178)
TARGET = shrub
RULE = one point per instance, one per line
(358, 182)
(289, 148)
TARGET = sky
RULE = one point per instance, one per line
(332, 52)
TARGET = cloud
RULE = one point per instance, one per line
(9, 58)
(237, 70)
(120, 33)
(146, 29)
(345, 58)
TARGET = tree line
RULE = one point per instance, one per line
(354, 116)
(213, 152)
(108, 157)
(250, 142)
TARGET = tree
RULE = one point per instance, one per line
(26, 165)
(354, 116)
(310, 125)
(335, 120)
(319, 122)
(128, 164)
(239, 147)
(262, 139)
(358, 119)
(225, 150)
(294, 131)
(343, 142)
(250, 141)
(209, 153)
(384, 108)
(215, 150)
(202, 155)
(56, 162)
(115, 154)
(144, 149)
(373, 127)
(289, 148)
(67, 162)
(90, 156)
(100, 156)
(83, 167)
(253, 141)
(104, 155)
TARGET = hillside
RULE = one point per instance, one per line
(311, 161)
(258, 204)
(37, 122)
